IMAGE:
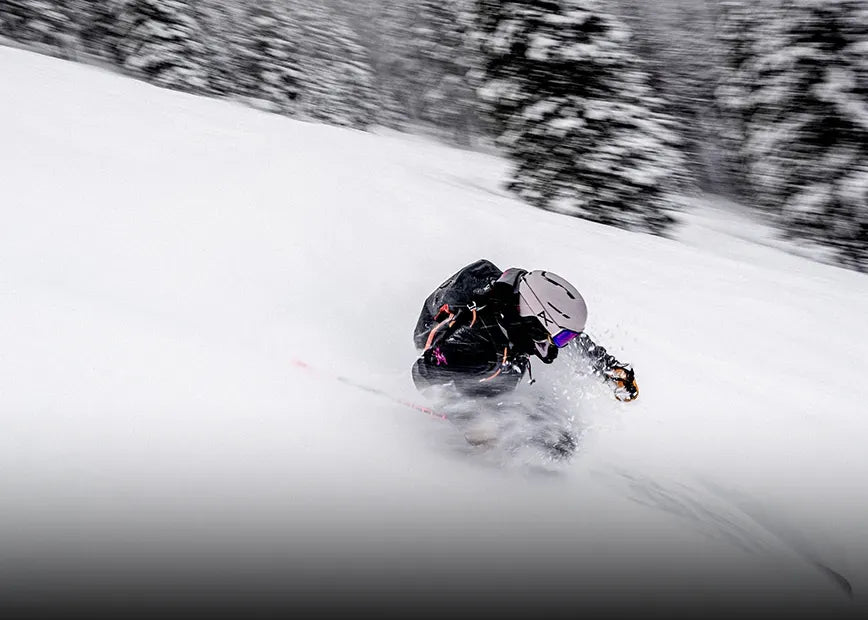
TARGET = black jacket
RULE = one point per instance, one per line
(470, 333)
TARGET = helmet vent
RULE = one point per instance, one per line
(559, 311)
(556, 283)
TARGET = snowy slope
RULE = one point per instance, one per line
(165, 258)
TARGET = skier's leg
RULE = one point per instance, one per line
(551, 421)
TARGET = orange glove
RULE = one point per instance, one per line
(623, 380)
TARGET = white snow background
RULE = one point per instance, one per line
(165, 258)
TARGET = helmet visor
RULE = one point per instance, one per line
(563, 337)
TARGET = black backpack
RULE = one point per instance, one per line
(455, 293)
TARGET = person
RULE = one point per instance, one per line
(480, 329)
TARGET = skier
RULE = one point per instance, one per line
(479, 330)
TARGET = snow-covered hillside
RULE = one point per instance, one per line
(164, 259)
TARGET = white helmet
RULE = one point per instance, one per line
(555, 302)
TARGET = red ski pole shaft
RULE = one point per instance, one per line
(372, 390)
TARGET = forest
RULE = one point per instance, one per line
(607, 110)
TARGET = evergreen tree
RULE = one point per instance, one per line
(666, 37)
(382, 28)
(444, 97)
(221, 29)
(163, 43)
(43, 22)
(269, 60)
(742, 26)
(416, 52)
(99, 28)
(734, 28)
(807, 135)
(337, 79)
(573, 110)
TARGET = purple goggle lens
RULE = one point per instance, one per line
(563, 337)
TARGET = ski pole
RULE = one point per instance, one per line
(370, 389)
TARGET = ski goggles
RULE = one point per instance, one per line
(561, 339)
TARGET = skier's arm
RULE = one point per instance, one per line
(620, 376)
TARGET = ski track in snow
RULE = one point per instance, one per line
(166, 257)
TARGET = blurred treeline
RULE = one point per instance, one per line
(607, 109)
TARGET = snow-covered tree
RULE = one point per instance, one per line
(221, 31)
(268, 63)
(382, 28)
(573, 110)
(163, 43)
(337, 82)
(741, 26)
(44, 22)
(99, 28)
(419, 60)
(666, 35)
(807, 134)
(444, 96)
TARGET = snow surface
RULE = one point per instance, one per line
(164, 258)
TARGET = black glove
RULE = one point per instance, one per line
(623, 381)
